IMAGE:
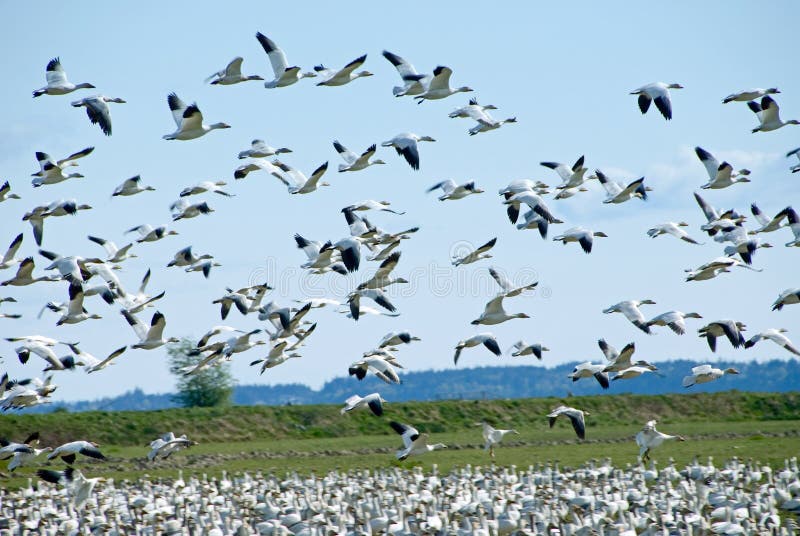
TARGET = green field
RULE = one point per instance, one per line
(763, 427)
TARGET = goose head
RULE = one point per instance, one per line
(362, 73)
(218, 125)
(84, 85)
(463, 89)
(675, 86)
(692, 315)
(731, 371)
(682, 224)
(378, 161)
(253, 77)
(117, 100)
(427, 138)
(601, 234)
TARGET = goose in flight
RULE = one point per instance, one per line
(381, 278)
(406, 146)
(9, 448)
(471, 110)
(115, 254)
(575, 416)
(69, 451)
(630, 308)
(749, 94)
(767, 225)
(277, 356)
(534, 202)
(486, 339)
(775, 335)
(255, 165)
(492, 436)
(9, 258)
(97, 110)
(636, 370)
(189, 120)
(57, 166)
(532, 220)
(413, 82)
(370, 204)
(91, 363)
(163, 447)
(242, 299)
(716, 220)
(589, 370)
(518, 186)
(571, 177)
(439, 86)
(658, 92)
(617, 361)
(343, 76)
(75, 312)
(649, 438)
(475, 255)
(353, 161)
(185, 257)
(768, 114)
(319, 260)
(231, 74)
(673, 229)
(206, 186)
(148, 233)
(618, 192)
(675, 320)
(284, 74)
(715, 267)
(152, 337)
(793, 224)
(78, 486)
(453, 191)
(705, 374)
(487, 123)
(60, 207)
(296, 182)
(414, 443)
(182, 209)
(395, 338)
(24, 275)
(6, 193)
(794, 169)
(585, 237)
(373, 401)
(24, 457)
(521, 348)
(260, 149)
(789, 296)
(350, 249)
(375, 294)
(508, 288)
(728, 328)
(57, 83)
(382, 368)
(720, 175)
(131, 186)
(494, 313)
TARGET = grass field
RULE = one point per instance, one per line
(762, 427)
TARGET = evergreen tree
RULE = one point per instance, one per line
(212, 386)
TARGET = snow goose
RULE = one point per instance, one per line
(439, 86)
(48, 171)
(590, 370)
(575, 416)
(406, 145)
(787, 297)
(520, 186)
(52, 174)
(381, 278)
(350, 249)
(343, 76)
(618, 192)
(673, 229)
(246, 299)
(320, 260)
(571, 177)
(394, 338)
(9, 258)
(649, 438)
(492, 436)
(277, 356)
(182, 209)
(260, 149)
(793, 224)
(80, 487)
(75, 312)
(494, 313)
(617, 361)
(131, 186)
(534, 202)
(364, 310)
(471, 110)
(163, 447)
(353, 161)
(487, 123)
(148, 233)
(453, 191)
(767, 225)
(5, 192)
(775, 335)
(370, 204)
(255, 165)
(189, 120)
(57, 83)
(635, 371)
(382, 368)
(630, 308)
(24, 275)
(413, 82)
(97, 110)
(705, 374)
(795, 168)
(486, 339)
(284, 74)
(9, 448)
(91, 363)
(728, 328)
(152, 337)
(749, 94)
(658, 92)
(68, 451)
(25, 457)
(532, 220)
(475, 255)
(115, 254)
(508, 288)
(715, 267)
(206, 186)
(675, 320)
(296, 182)
(744, 247)
(585, 237)
(375, 294)
(373, 401)
(720, 175)
(521, 348)
(231, 74)
(414, 442)
(185, 257)
(768, 114)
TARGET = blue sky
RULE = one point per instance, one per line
(564, 70)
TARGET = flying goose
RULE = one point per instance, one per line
(189, 120)
(728, 328)
(675, 320)
(75, 312)
(534, 202)
(370, 204)
(115, 254)
(284, 74)
(787, 297)
(242, 299)
(476, 255)
(486, 339)
(206, 186)
(57, 83)
(5, 192)
(255, 165)
(768, 114)
(705, 374)
(523, 348)
(508, 288)
(720, 175)
(373, 401)
(350, 249)
(775, 335)
(793, 224)
(343, 76)
(9, 258)
(492, 436)
(260, 149)
(715, 267)
(744, 247)
(319, 260)
(68, 451)
(231, 74)
(381, 278)
(163, 447)
(658, 92)
(520, 186)
(571, 177)
(795, 168)
(44, 159)
(51, 172)
(532, 220)
(296, 182)
(494, 313)
(93, 364)
(636, 370)
(673, 229)
(131, 186)
(413, 82)
(487, 123)
(375, 294)
(152, 337)
(382, 368)
(97, 110)
(406, 145)
(618, 192)
(44, 351)
(182, 209)
(24, 275)
(453, 191)
(589, 370)
(716, 220)
(353, 161)
(767, 225)
(585, 237)
(394, 338)
(277, 356)
(414, 442)
(79, 487)
(576, 417)
(471, 110)
(9, 448)
(650, 438)
(630, 308)
(749, 94)
(185, 257)
(439, 86)
(617, 361)
(148, 233)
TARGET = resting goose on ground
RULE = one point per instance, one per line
(406, 146)
(522, 348)
(508, 288)
(296, 182)
(373, 401)
(413, 82)
(589, 370)
(57, 83)
(585, 237)
(343, 76)
(131, 186)
(97, 110)
(775, 335)
(439, 86)
(475, 255)
(148, 233)
(353, 161)
(9, 258)
(259, 149)
(675, 320)
(618, 192)
(486, 339)
(789, 296)
(749, 94)
(152, 337)
(494, 313)
(284, 74)
(728, 328)
(576, 417)
(658, 92)
(5, 192)
(705, 374)
(453, 191)
(189, 120)
(414, 442)
(492, 436)
(768, 114)
(630, 308)
(720, 175)
(231, 74)
(673, 229)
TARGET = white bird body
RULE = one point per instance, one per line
(571, 177)
(719, 328)
(97, 110)
(476, 255)
(131, 186)
(413, 82)
(522, 348)
(353, 161)
(649, 438)
(506, 286)
(793, 225)
(439, 86)
(768, 114)
(284, 74)
(789, 296)
(673, 229)
(750, 94)
(406, 146)
(92, 364)
(382, 367)
(343, 76)
(9, 259)
(675, 320)
(231, 74)
(453, 191)
(5, 192)
(24, 275)
(494, 313)
(57, 83)
(163, 447)
(189, 120)
(775, 335)
(68, 451)
(296, 182)
(590, 370)
(658, 92)
(382, 277)
(260, 149)
(585, 237)
(414, 442)
(486, 339)
(375, 294)
(630, 308)
(492, 436)
(373, 401)
(767, 225)
(152, 337)
(705, 374)
(148, 233)
(575, 416)
(206, 186)
(618, 192)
